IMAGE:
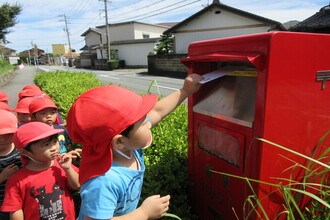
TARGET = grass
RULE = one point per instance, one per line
(5, 66)
(306, 198)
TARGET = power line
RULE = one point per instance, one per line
(137, 17)
(137, 9)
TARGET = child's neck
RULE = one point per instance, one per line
(39, 165)
(128, 163)
(6, 149)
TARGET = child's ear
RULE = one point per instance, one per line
(24, 152)
(118, 142)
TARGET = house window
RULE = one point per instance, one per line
(145, 36)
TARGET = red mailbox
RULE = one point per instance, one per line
(279, 91)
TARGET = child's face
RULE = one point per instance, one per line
(45, 150)
(23, 118)
(6, 139)
(47, 115)
(140, 135)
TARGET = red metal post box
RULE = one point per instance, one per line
(280, 92)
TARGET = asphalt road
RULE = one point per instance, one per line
(136, 80)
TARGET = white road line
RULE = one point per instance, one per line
(165, 87)
(46, 70)
(110, 77)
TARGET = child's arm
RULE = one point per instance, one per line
(170, 102)
(65, 162)
(8, 172)
(153, 207)
(17, 215)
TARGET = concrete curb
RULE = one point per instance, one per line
(6, 77)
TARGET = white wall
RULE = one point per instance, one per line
(214, 26)
(152, 30)
(122, 32)
(134, 54)
(92, 38)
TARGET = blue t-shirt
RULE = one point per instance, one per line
(63, 138)
(115, 193)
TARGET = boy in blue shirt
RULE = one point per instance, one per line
(113, 124)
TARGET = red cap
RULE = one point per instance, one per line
(31, 93)
(8, 122)
(4, 106)
(23, 105)
(32, 86)
(96, 117)
(33, 131)
(41, 103)
(3, 96)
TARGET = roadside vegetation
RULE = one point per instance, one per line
(5, 66)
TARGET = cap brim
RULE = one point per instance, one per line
(5, 98)
(20, 110)
(46, 134)
(43, 107)
(7, 131)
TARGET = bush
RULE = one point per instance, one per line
(5, 66)
(65, 87)
(116, 64)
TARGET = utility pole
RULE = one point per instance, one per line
(68, 34)
(107, 31)
(29, 56)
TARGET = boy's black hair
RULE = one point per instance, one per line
(127, 130)
(34, 114)
(28, 147)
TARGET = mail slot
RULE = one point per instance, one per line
(275, 86)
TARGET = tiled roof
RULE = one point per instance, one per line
(319, 20)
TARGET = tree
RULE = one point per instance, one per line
(165, 45)
(8, 15)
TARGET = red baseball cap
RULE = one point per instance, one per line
(41, 103)
(3, 96)
(4, 106)
(8, 122)
(23, 105)
(33, 131)
(32, 86)
(31, 93)
(96, 117)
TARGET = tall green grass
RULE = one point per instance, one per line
(306, 198)
(5, 66)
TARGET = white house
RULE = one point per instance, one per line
(218, 21)
(132, 41)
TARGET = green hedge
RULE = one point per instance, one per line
(65, 87)
(116, 64)
(166, 160)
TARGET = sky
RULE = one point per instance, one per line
(42, 22)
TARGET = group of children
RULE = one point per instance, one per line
(113, 125)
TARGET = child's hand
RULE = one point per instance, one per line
(8, 172)
(65, 160)
(191, 83)
(75, 153)
(155, 206)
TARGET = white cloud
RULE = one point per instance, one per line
(40, 22)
